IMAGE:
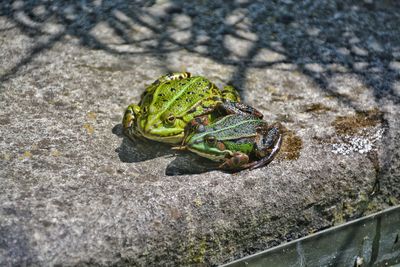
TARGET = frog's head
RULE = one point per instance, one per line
(161, 127)
(206, 145)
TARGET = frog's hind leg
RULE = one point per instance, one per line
(268, 143)
(231, 107)
(230, 93)
(238, 161)
(172, 77)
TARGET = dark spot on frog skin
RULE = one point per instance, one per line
(192, 110)
(172, 89)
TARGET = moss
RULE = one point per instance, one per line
(347, 125)
(55, 153)
(316, 108)
(338, 217)
(26, 155)
(89, 128)
(291, 146)
(197, 201)
(91, 115)
(198, 252)
(5, 156)
(393, 201)
(356, 206)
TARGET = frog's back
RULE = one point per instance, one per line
(235, 127)
(179, 96)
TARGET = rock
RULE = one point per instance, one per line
(76, 191)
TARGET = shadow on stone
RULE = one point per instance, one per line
(355, 37)
(189, 163)
(136, 150)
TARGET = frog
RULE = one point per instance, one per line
(237, 141)
(175, 99)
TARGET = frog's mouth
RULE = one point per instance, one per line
(211, 156)
(211, 153)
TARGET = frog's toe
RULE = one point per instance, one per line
(270, 156)
(236, 162)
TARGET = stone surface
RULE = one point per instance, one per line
(75, 191)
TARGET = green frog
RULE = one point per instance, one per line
(173, 100)
(238, 141)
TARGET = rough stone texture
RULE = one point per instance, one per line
(75, 191)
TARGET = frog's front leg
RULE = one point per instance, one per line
(237, 161)
(267, 144)
(230, 93)
(130, 115)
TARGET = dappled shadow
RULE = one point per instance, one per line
(320, 38)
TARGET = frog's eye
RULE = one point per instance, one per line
(170, 119)
(210, 140)
(144, 109)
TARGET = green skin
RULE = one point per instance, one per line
(172, 101)
(238, 141)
